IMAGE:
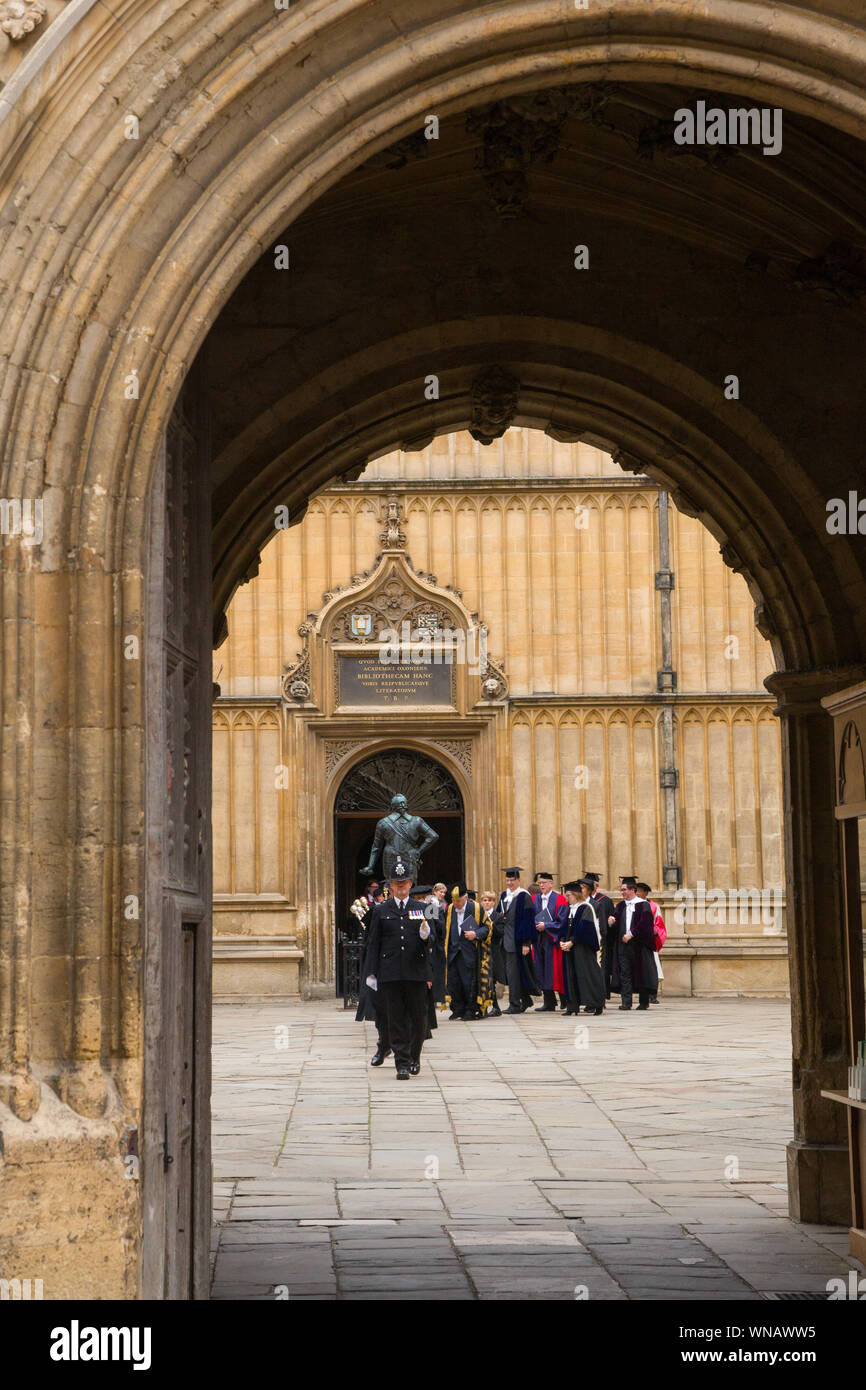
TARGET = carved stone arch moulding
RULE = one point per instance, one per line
(425, 783)
(460, 750)
(336, 750)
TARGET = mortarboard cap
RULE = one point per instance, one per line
(541, 874)
(513, 873)
(593, 878)
(573, 885)
(629, 880)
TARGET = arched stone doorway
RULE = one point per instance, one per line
(365, 795)
(116, 278)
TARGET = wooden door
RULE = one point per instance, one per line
(176, 1150)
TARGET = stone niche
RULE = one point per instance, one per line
(391, 660)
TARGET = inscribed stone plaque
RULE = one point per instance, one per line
(365, 680)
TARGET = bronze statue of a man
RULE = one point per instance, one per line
(400, 836)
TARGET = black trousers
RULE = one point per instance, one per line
(550, 998)
(626, 976)
(607, 954)
(518, 994)
(461, 986)
(406, 1011)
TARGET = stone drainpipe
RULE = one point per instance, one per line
(666, 679)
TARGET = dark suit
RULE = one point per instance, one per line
(400, 959)
(604, 908)
(634, 965)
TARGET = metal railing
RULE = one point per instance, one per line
(353, 948)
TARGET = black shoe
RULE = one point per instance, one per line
(641, 1007)
(379, 1056)
(625, 1008)
(414, 1068)
(402, 1073)
(455, 1017)
(596, 1011)
(511, 1010)
(570, 1013)
(654, 1000)
(545, 1009)
(495, 1013)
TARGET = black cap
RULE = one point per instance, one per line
(588, 881)
(629, 880)
(573, 885)
(399, 871)
(541, 874)
(512, 873)
(593, 878)
(422, 888)
(457, 890)
(645, 888)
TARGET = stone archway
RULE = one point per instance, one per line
(116, 276)
(365, 794)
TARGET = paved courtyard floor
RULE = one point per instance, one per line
(533, 1157)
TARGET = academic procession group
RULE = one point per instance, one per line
(434, 948)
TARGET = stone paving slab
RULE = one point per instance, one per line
(516, 1165)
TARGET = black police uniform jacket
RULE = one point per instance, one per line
(395, 950)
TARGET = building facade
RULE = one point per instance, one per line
(604, 708)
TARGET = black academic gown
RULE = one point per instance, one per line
(437, 924)
(640, 950)
(366, 1010)
(604, 908)
(582, 970)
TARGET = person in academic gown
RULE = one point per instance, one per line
(398, 962)
(661, 931)
(516, 914)
(469, 966)
(580, 943)
(634, 966)
(434, 911)
(603, 905)
(497, 950)
(548, 958)
(370, 1009)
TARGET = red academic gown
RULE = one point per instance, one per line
(548, 957)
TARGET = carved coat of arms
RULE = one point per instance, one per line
(362, 624)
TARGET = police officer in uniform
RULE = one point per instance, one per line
(398, 966)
